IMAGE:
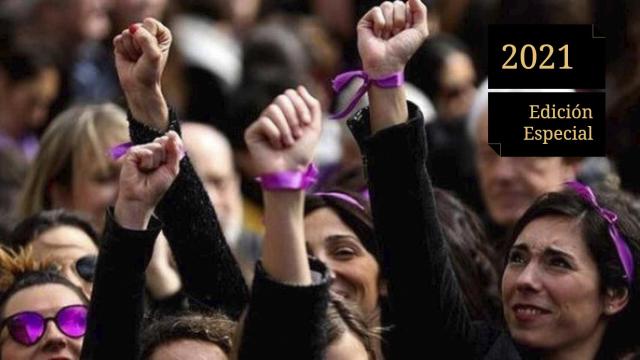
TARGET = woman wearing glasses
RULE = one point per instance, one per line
(42, 314)
(65, 239)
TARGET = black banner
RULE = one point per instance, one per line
(546, 57)
(547, 124)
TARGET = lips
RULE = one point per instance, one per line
(340, 293)
(528, 312)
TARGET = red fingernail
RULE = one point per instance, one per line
(133, 28)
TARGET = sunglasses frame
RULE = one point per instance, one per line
(45, 320)
(93, 258)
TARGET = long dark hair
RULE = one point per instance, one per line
(619, 338)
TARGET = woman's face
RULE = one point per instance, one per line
(94, 187)
(355, 270)
(65, 245)
(551, 287)
(46, 300)
(457, 88)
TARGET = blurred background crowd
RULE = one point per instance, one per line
(61, 107)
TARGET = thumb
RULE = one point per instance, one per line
(174, 152)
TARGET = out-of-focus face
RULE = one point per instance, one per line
(213, 161)
(65, 245)
(126, 12)
(355, 270)
(510, 184)
(457, 87)
(94, 187)
(28, 101)
(88, 19)
(347, 347)
(47, 300)
(551, 287)
(244, 13)
(188, 349)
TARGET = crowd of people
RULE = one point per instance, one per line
(173, 185)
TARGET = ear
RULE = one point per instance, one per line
(60, 196)
(615, 300)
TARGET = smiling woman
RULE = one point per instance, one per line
(570, 282)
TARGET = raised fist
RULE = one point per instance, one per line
(141, 53)
(147, 173)
(285, 135)
(389, 34)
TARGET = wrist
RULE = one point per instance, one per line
(295, 180)
(377, 72)
(149, 106)
(132, 215)
(387, 107)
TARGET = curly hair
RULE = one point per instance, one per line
(213, 328)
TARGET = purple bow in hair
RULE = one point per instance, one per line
(624, 253)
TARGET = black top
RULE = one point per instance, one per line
(210, 275)
(426, 305)
(286, 321)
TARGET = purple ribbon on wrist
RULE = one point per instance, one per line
(622, 248)
(341, 81)
(289, 180)
(119, 150)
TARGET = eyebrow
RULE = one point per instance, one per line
(338, 237)
(547, 251)
(558, 252)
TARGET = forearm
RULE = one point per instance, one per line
(284, 254)
(209, 272)
(149, 107)
(402, 200)
(132, 215)
(388, 107)
(117, 303)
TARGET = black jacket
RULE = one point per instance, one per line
(426, 307)
(210, 275)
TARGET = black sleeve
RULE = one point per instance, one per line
(286, 321)
(211, 277)
(425, 299)
(117, 302)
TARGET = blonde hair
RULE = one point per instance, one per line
(15, 263)
(79, 131)
(19, 270)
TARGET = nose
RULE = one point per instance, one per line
(505, 168)
(528, 281)
(53, 340)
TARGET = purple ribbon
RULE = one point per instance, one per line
(289, 180)
(624, 253)
(341, 81)
(119, 150)
(342, 196)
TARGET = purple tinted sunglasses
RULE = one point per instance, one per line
(28, 327)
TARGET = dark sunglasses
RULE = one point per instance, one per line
(28, 327)
(86, 267)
